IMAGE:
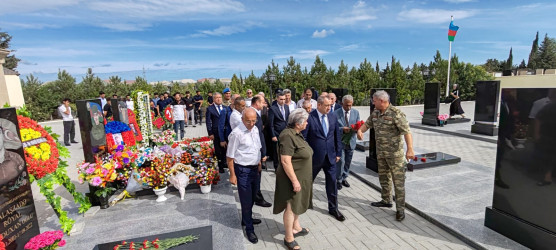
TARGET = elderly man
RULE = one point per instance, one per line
(346, 117)
(212, 118)
(390, 124)
(244, 161)
(307, 106)
(249, 94)
(227, 96)
(289, 101)
(235, 117)
(335, 106)
(307, 97)
(324, 136)
(224, 127)
(278, 118)
(257, 105)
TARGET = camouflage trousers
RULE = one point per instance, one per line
(392, 170)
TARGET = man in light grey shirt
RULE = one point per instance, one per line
(69, 124)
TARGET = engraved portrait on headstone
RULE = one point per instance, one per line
(122, 111)
(97, 124)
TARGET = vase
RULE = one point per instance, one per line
(103, 202)
(160, 192)
(206, 189)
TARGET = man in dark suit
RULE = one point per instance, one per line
(224, 128)
(278, 119)
(257, 104)
(346, 117)
(212, 118)
(333, 102)
(324, 136)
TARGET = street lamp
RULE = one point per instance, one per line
(270, 79)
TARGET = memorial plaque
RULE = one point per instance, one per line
(486, 107)
(525, 176)
(18, 219)
(91, 122)
(119, 111)
(432, 104)
(431, 160)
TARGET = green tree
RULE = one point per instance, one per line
(236, 85)
(318, 74)
(547, 54)
(10, 61)
(533, 55)
(509, 63)
(522, 65)
(342, 77)
(91, 85)
(493, 65)
(416, 85)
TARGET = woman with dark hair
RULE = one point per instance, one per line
(455, 106)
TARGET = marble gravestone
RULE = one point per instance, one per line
(524, 204)
(486, 107)
(432, 104)
(372, 162)
(18, 218)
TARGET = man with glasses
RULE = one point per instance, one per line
(249, 98)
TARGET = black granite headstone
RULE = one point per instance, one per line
(91, 122)
(431, 160)
(18, 219)
(432, 104)
(524, 194)
(340, 93)
(119, 111)
(372, 162)
(486, 107)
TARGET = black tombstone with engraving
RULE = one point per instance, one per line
(18, 218)
(340, 93)
(486, 107)
(432, 104)
(372, 162)
(91, 122)
(119, 111)
(524, 203)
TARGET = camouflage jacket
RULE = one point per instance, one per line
(388, 130)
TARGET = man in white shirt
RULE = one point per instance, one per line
(244, 161)
(69, 124)
(235, 117)
(129, 102)
(289, 101)
(101, 96)
(248, 98)
(178, 118)
(308, 96)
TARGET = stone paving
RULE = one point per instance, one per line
(366, 227)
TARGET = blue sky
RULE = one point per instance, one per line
(176, 39)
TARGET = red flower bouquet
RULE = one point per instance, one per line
(134, 126)
(2, 245)
(41, 150)
(46, 241)
(346, 137)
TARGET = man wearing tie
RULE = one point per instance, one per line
(257, 105)
(278, 118)
(346, 117)
(334, 106)
(212, 118)
(324, 136)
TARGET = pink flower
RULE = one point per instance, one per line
(62, 243)
(96, 181)
(90, 170)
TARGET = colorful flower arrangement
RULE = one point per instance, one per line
(207, 150)
(164, 138)
(134, 126)
(41, 150)
(156, 175)
(158, 122)
(443, 117)
(115, 128)
(99, 174)
(156, 244)
(46, 241)
(205, 176)
(346, 137)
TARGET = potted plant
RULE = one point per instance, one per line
(99, 175)
(205, 177)
(156, 175)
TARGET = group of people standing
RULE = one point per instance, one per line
(303, 139)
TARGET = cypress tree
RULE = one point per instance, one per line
(533, 55)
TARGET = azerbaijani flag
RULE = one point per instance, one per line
(452, 31)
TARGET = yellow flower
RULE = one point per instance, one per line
(113, 176)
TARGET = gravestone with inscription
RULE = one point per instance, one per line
(91, 122)
(432, 104)
(18, 219)
(372, 162)
(486, 107)
(119, 111)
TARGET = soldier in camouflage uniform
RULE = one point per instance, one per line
(389, 124)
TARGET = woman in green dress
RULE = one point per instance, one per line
(294, 177)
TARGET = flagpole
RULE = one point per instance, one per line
(449, 62)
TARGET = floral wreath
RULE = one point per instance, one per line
(41, 151)
(158, 122)
(134, 126)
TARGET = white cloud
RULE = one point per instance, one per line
(323, 33)
(152, 9)
(459, 1)
(24, 6)
(350, 47)
(28, 25)
(433, 16)
(303, 54)
(226, 30)
(358, 13)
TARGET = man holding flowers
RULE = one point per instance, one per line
(348, 119)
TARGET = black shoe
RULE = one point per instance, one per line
(345, 183)
(255, 222)
(74, 142)
(339, 216)
(67, 144)
(194, 126)
(263, 203)
(400, 215)
(252, 237)
(543, 183)
(339, 185)
(381, 204)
